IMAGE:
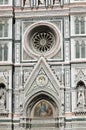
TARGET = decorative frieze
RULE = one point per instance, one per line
(42, 3)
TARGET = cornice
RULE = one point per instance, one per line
(72, 8)
(6, 11)
(40, 13)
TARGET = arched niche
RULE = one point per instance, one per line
(2, 97)
(42, 109)
(80, 84)
(81, 94)
(42, 106)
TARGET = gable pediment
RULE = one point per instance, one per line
(42, 78)
(80, 76)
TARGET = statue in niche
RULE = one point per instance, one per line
(81, 98)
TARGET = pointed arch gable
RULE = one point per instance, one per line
(42, 64)
(80, 77)
(32, 100)
(81, 83)
(3, 80)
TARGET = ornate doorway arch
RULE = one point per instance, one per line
(42, 106)
(42, 112)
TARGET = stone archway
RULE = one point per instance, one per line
(44, 105)
(42, 112)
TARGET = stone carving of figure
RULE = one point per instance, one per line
(42, 80)
(81, 99)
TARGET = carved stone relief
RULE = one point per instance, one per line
(80, 90)
(36, 3)
(81, 98)
(42, 80)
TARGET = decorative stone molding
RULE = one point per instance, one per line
(80, 113)
(80, 76)
(4, 114)
(53, 123)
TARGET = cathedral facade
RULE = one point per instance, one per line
(42, 64)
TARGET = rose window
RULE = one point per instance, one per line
(43, 41)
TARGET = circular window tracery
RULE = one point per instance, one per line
(43, 41)
(42, 38)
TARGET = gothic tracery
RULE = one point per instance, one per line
(43, 41)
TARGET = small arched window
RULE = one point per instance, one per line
(77, 49)
(4, 28)
(76, 25)
(79, 25)
(82, 25)
(82, 49)
(5, 53)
